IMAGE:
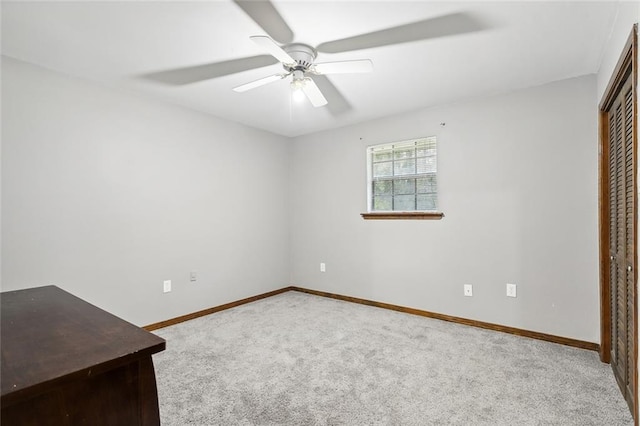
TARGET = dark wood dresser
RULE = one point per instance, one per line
(67, 362)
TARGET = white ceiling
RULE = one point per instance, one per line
(123, 45)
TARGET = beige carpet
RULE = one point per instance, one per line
(298, 359)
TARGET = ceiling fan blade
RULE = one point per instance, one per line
(313, 93)
(276, 51)
(187, 75)
(265, 14)
(344, 67)
(337, 103)
(260, 82)
(446, 25)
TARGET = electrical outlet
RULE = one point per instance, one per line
(468, 290)
(167, 286)
(511, 290)
(193, 276)
(323, 267)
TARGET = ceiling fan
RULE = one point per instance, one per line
(298, 60)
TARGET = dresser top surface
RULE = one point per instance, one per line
(48, 335)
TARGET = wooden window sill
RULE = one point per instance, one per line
(403, 216)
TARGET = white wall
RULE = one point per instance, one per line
(106, 195)
(627, 15)
(518, 187)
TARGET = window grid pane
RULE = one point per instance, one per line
(404, 186)
(403, 176)
(404, 167)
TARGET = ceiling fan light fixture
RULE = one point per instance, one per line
(297, 84)
(297, 89)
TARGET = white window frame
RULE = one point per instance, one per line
(398, 146)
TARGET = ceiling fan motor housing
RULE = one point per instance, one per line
(303, 54)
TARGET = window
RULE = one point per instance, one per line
(402, 176)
